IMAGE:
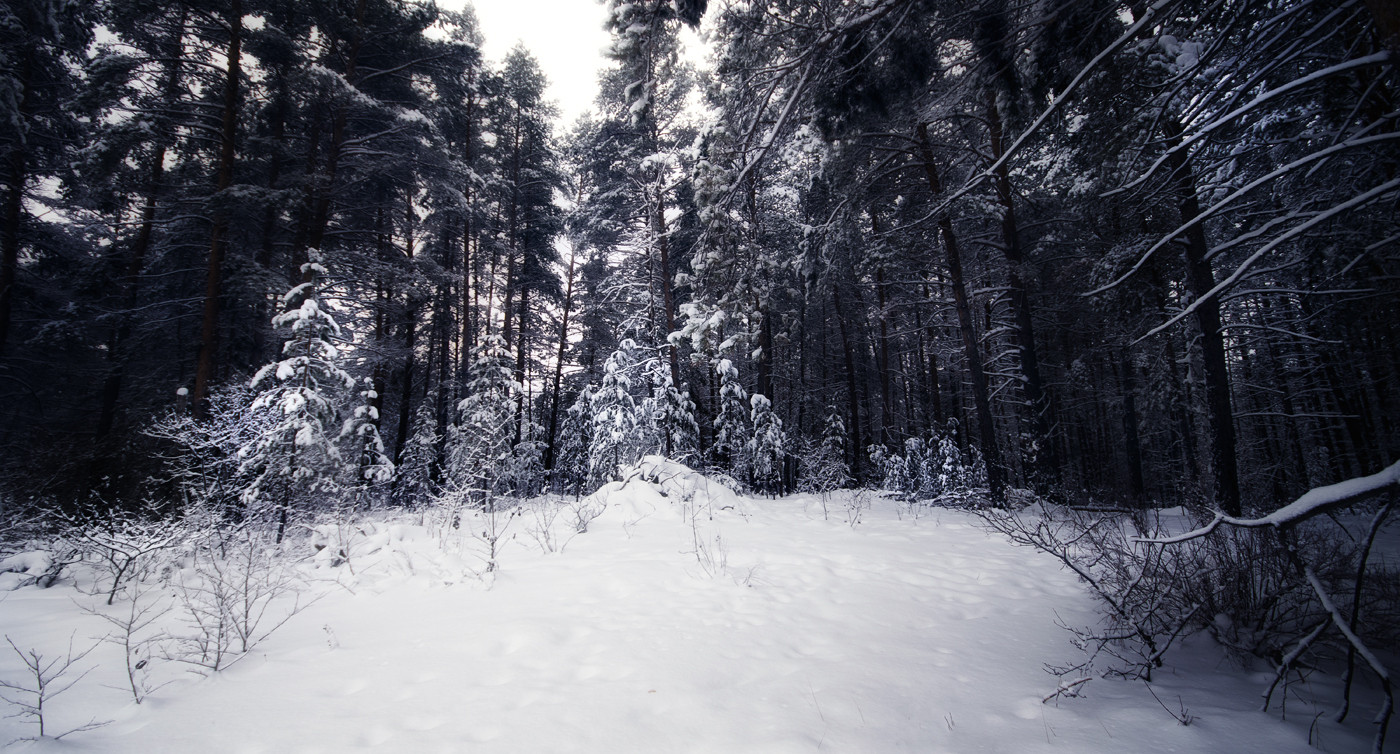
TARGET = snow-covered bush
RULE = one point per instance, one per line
(203, 469)
(930, 469)
(123, 545)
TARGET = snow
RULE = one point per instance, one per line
(687, 618)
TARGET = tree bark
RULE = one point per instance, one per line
(136, 260)
(559, 365)
(991, 454)
(849, 357)
(1200, 279)
(213, 285)
(15, 180)
(1046, 460)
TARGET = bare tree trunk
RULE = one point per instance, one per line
(849, 356)
(883, 360)
(559, 365)
(1200, 279)
(213, 286)
(136, 260)
(991, 454)
(1132, 442)
(520, 353)
(1047, 461)
(668, 306)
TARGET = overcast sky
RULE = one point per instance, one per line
(565, 36)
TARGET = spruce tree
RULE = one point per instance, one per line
(298, 455)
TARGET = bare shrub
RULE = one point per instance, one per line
(121, 545)
(1297, 588)
(235, 598)
(582, 512)
(857, 503)
(132, 631)
(1139, 587)
(543, 513)
(45, 679)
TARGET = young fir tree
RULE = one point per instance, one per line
(824, 467)
(619, 427)
(731, 422)
(297, 455)
(571, 467)
(673, 413)
(412, 483)
(767, 447)
(480, 446)
(372, 467)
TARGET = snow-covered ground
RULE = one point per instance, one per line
(686, 619)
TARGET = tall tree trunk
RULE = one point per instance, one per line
(991, 454)
(1132, 443)
(520, 354)
(848, 355)
(883, 354)
(559, 365)
(213, 286)
(136, 259)
(668, 306)
(1200, 279)
(1047, 462)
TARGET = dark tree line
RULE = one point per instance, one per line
(1099, 251)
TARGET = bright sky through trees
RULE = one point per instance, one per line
(566, 36)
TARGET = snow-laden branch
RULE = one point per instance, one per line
(1379, 58)
(1243, 190)
(814, 55)
(1356, 201)
(1314, 501)
(1149, 17)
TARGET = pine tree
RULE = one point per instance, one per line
(731, 422)
(619, 426)
(479, 447)
(673, 415)
(298, 455)
(766, 449)
(412, 480)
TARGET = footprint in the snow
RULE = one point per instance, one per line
(354, 687)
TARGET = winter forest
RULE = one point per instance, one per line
(301, 301)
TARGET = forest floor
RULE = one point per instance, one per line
(685, 619)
